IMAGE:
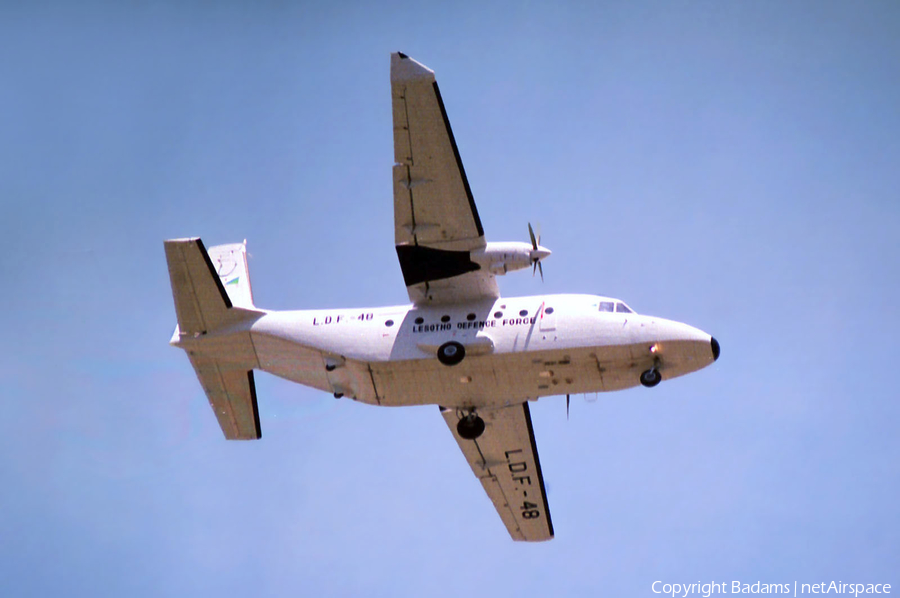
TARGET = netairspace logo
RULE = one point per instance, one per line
(736, 587)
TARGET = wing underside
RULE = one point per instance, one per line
(436, 223)
(505, 460)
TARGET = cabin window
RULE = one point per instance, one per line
(470, 317)
(419, 320)
(607, 306)
(523, 313)
(445, 319)
(498, 314)
(389, 323)
(548, 310)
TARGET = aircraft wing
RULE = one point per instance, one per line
(505, 460)
(436, 223)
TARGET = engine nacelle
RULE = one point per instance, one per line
(500, 258)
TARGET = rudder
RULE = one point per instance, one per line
(230, 263)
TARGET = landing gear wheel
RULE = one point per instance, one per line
(651, 378)
(470, 427)
(451, 353)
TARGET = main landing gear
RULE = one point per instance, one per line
(470, 426)
(451, 353)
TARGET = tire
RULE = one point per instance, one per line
(651, 378)
(451, 353)
(470, 427)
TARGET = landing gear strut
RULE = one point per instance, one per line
(470, 426)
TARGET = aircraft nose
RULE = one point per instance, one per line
(714, 344)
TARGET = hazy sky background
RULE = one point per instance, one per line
(732, 165)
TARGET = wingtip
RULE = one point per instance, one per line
(404, 68)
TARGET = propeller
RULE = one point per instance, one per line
(567, 407)
(536, 261)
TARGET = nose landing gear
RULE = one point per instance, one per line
(470, 426)
(652, 377)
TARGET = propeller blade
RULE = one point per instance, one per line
(535, 261)
(567, 407)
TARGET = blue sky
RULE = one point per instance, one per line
(729, 165)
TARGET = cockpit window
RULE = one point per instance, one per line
(622, 308)
(607, 306)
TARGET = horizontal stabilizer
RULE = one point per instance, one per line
(231, 391)
(213, 327)
(201, 302)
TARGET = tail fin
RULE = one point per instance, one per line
(214, 328)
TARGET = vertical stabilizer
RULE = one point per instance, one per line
(230, 263)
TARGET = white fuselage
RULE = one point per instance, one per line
(517, 349)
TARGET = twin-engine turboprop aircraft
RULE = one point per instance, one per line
(461, 346)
